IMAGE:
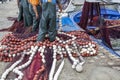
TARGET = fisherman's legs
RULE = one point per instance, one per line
(52, 23)
(48, 22)
(20, 15)
(35, 21)
(42, 28)
(52, 29)
(27, 17)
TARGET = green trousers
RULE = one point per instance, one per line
(24, 13)
(47, 22)
(35, 21)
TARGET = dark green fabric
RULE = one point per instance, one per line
(35, 21)
(24, 13)
(48, 22)
(20, 15)
(58, 1)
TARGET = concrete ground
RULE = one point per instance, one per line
(104, 66)
(7, 9)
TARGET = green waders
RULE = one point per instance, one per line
(35, 21)
(24, 13)
(48, 22)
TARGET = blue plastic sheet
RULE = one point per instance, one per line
(77, 17)
(110, 14)
(68, 25)
(106, 13)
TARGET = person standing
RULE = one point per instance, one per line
(24, 13)
(48, 20)
(35, 10)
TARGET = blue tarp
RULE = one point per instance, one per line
(77, 17)
(110, 14)
(68, 25)
(106, 13)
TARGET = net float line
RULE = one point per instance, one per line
(13, 44)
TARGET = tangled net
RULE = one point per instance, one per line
(72, 44)
(13, 44)
(33, 60)
(114, 32)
